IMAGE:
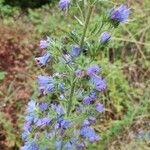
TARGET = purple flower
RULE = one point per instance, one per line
(43, 106)
(49, 88)
(31, 106)
(29, 118)
(30, 145)
(99, 107)
(60, 110)
(78, 73)
(44, 80)
(68, 58)
(99, 83)
(38, 122)
(86, 123)
(93, 70)
(89, 133)
(43, 59)
(120, 14)
(68, 146)
(79, 108)
(46, 85)
(92, 95)
(61, 86)
(65, 124)
(86, 100)
(43, 44)
(64, 4)
(24, 135)
(42, 121)
(46, 121)
(105, 37)
(46, 89)
(92, 119)
(89, 121)
(50, 134)
(27, 127)
(75, 50)
(81, 145)
(58, 145)
(53, 107)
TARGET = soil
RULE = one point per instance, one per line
(16, 54)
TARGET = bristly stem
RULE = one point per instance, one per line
(86, 26)
(71, 96)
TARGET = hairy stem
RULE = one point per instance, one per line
(71, 96)
(86, 26)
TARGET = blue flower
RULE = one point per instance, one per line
(89, 121)
(58, 145)
(93, 70)
(86, 123)
(92, 95)
(49, 88)
(89, 133)
(44, 80)
(46, 85)
(44, 44)
(29, 118)
(99, 107)
(92, 119)
(65, 124)
(43, 59)
(46, 121)
(50, 134)
(27, 127)
(61, 86)
(105, 37)
(24, 135)
(68, 58)
(86, 100)
(42, 121)
(68, 146)
(81, 145)
(79, 108)
(30, 145)
(78, 73)
(64, 4)
(43, 106)
(120, 14)
(75, 51)
(31, 106)
(58, 108)
(99, 83)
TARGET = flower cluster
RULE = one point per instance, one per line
(119, 14)
(69, 101)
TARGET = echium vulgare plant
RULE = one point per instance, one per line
(69, 103)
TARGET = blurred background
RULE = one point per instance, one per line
(23, 23)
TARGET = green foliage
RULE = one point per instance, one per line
(2, 75)
(10, 134)
(7, 11)
(122, 98)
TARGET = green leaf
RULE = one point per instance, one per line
(2, 75)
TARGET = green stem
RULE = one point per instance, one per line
(71, 96)
(86, 26)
